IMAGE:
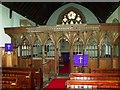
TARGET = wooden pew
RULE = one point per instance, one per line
(93, 81)
(11, 83)
(39, 78)
(109, 70)
(93, 84)
(32, 76)
(26, 77)
(94, 76)
(37, 74)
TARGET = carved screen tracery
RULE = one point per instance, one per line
(78, 46)
(105, 49)
(91, 48)
(49, 48)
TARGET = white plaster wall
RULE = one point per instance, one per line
(0, 37)
(0, 24)
(5, 21)
(115, 14)
(90, 17)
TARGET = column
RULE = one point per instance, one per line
(84, 51)
(15, 57)
(31, 64)
(98, 54)
(19, 61)
(119, 51)
(56, 59)
(43, 60)
(111, 62)
(43, 53)
(71, 59)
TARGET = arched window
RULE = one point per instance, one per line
(49, 48)
(116, 48)
(91, 48)
(78, 46)
(72, 18)
(25, 48)
(105, 49)
(37, 49)
(71, 15)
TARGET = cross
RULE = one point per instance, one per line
(80, 59)
(8, 47)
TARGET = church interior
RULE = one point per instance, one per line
(59, 46)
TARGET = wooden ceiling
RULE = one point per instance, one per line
(39, 12)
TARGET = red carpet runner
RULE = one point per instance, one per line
(65, 69)
(57, 84)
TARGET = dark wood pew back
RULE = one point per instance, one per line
(11, 83)
(30, 76)
(94, 76)
(25, 76)
(36, 74)
(109, 70)
(93, 81)
(93, 84)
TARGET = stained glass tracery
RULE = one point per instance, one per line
(71, 18)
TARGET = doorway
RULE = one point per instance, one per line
(64, 60)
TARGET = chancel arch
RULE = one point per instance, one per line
(57, 16)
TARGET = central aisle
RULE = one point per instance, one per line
(65, 69)
(57, 84)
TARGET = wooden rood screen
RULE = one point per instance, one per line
(21, 78)
(93, 81)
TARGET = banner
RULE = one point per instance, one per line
(80, 60)
(8, 47)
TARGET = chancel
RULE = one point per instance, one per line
(73, 47)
